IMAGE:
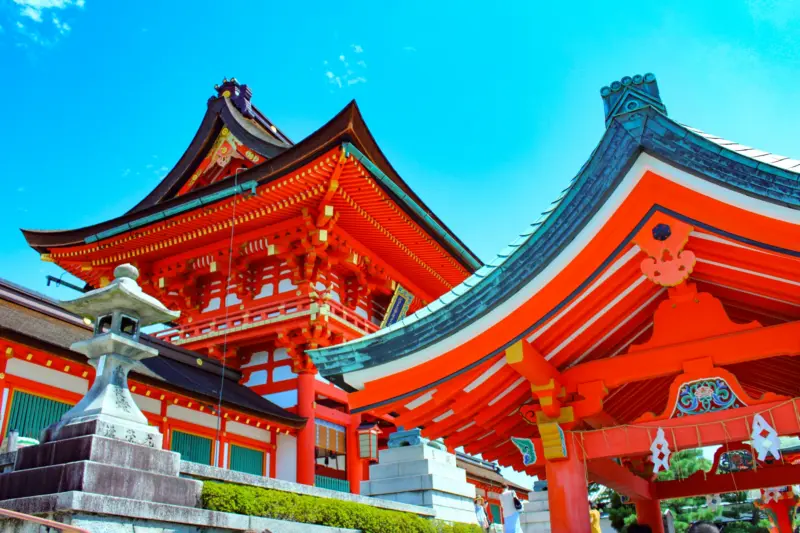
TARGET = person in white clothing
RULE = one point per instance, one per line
(511, 508)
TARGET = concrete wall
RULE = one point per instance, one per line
(286, 467)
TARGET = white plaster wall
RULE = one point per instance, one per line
(286, 469)
(195, 417)
(147, 404)
(47, 376)
(258, 358)
(259, 377)
(250, 432)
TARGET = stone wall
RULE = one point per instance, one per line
(106, 514)
(422, 475)
(535, 515)
(203, 472)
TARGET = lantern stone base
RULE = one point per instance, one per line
(535, 515)
(96, 464)
(423, 475)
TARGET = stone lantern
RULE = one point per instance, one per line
(104, 445)
(119, 311)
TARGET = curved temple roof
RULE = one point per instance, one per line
(636, 124)
(256, 132)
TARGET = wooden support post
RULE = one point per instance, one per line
(354, 462)
(568, 492)
(648, 512)
(307, 436)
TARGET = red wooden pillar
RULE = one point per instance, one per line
(307, 436)
(648, 512)
(354, 462)
(568, 492)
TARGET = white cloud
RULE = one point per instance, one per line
(31, 13)
(62, 27)
(36, 10)
(20, 189)
(409, 49)
(126, 172)
(342, 74)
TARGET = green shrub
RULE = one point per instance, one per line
(257, 501)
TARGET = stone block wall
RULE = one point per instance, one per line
(423, 475)
(535, 515)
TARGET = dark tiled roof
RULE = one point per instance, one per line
(628, 135)
(36, 320)
(485, 472)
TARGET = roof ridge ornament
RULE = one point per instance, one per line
(631, 94)
(239, 95)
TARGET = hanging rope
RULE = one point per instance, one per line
(227, 307)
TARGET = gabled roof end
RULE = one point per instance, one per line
(630, 94)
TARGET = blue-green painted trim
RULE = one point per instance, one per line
(172, 211)
(465, 256)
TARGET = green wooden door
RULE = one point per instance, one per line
(495, 513)
(30, 414)
(247, 460)
(192, 448)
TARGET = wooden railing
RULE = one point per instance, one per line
(41, 521)
(265, 314)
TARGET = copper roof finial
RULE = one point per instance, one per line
(631, 93)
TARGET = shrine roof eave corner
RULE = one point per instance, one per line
(346, 128)
(647, 131)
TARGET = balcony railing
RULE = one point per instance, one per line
(264, 314)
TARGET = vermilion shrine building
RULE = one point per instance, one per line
(322, 243)
(654, 307)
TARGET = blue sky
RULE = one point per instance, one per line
(487, 113)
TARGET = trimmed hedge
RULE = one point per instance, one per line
(257, 501)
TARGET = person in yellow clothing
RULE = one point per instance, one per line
(594, 519)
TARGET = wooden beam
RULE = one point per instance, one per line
(750, 345)
(332, 415)
(619, 478)
(696, 431)
(530, 364)
(698, 484)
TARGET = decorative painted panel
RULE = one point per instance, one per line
(705, 396)
(247, 460)
(30, 414)
(193, 448)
